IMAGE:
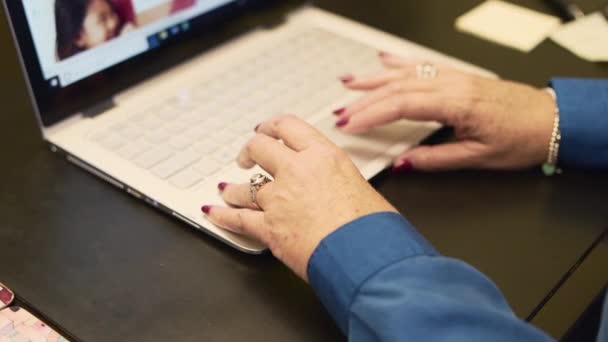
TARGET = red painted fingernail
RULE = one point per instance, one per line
(339, 111)
(403, 167)
(206, 209)
(347, 78)
(342, 122)
(222, 186)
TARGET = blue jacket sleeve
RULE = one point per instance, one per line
(602, 335)
(382, 281)
(583, 105)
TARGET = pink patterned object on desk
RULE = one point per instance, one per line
(18, 325)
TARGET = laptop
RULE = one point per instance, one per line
(156, 97)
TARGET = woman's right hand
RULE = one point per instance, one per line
(498, 124)
(316, 190)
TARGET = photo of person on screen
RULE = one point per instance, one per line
(85, 24)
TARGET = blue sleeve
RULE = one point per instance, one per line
(602, 336)
(382, 281)
(583, 105)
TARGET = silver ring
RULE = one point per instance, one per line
(426, 71)
(256, 182)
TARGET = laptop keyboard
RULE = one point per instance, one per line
(197, 132)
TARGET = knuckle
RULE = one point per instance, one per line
(395, 87)
(393, 104)
(289, 166)
(241, 221)
(250, 146)
(469, 87)
(283, 120)
(405, 73)
(331, 154)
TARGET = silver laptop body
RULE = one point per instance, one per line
(170, 139)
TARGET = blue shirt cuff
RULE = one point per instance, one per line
(344, 260)
(583, 106)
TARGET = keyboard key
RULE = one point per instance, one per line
(133, 149)
(181, 142)
(182, 102)
(243, 127)
(99, 136)
(137, 118)
(154, 156)
(213, 124)
(207, 166)
(206, 146)
(243, 139)
(112, 141)
(224, 137)
(225, 155)
(198, 133)
(168, 113)
(131, 132)
(194, 117)
(151, 123)
(117, 128)
(176, 127)
(157, 137)
(186, 178)
(174, 164)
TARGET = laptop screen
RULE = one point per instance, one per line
(75, 39)
(78, 54)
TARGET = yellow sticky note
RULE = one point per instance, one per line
(586, 37)
(509, 25)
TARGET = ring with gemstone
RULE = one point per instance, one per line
(426, 71)
(256, 182)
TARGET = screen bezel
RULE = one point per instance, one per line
(55, 104)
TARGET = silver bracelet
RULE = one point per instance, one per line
(550, 167)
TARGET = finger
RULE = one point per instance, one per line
(241, 221)
(444, 157)
(417, 106)
(293, 131)
(392, 88)
(382, 78)
(266, 152)
(239, 195)
(392, 61)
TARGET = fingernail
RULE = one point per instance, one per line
(206, 209)
(222, 186)
(256, 128)
(342, 122)
(339, 111)
(347, 78)
(403, 167)
(383, 54)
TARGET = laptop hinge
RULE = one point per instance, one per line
(99, 108)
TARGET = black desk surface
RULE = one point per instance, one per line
(104, 267)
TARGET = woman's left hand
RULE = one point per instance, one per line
(498, 124)
(316, 190)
